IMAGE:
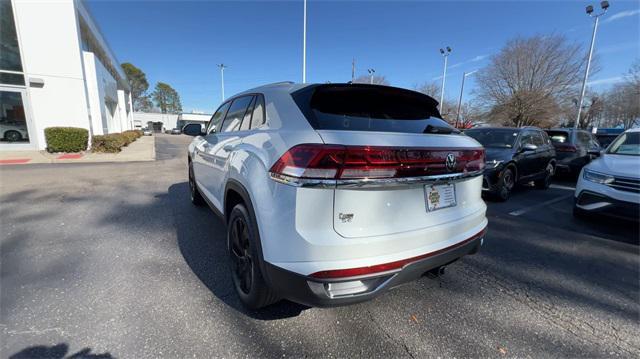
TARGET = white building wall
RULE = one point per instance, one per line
(50, 47)
(169, 121)
(122, 111)
(93, 92)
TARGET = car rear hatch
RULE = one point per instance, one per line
(399, 167)
(562, 142)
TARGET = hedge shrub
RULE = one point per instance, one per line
(66, 139)
(113, 142)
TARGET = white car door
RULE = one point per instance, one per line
(221, 146)
(203, 157)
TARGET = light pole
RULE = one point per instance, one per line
(304, 43)
(222, 67)
(353, 70)
(371, 72)
(445, 54)
(604, 5)
(464, 75)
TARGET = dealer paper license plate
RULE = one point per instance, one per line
(440, 196)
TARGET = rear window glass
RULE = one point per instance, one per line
(368, 108)
(494, 137)
(559, 136)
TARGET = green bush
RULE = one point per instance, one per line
(66, 139)
(111, 143)
(129, 136)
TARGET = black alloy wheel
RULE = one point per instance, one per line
(243, 263)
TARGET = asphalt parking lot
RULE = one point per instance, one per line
(112, 260)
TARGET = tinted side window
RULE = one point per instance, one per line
(258, 112)
(526, 139)
(538, 140)
(216, 119)
(236, 113)
(583, 138)
(545, 138)
(246, 121)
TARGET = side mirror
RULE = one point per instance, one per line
(594, 152)
(528, 147)
(192, 129)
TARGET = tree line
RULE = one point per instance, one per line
(531, 81)
(536, 81)
(163, 98)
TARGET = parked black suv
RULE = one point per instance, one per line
(515, 156)
(572, 148)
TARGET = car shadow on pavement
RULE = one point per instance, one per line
(201, 239)
(58, 351)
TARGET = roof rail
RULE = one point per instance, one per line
(279, 83)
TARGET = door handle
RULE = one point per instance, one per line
(228, 148)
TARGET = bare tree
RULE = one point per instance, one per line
(530, 79)
(377, 80)
(429, 88)
(432, 89)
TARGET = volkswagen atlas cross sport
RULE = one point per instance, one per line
(334, 193)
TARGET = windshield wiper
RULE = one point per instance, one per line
(445, 130)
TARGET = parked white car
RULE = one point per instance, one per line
(610, 184)
(334, 193)
(13, 132)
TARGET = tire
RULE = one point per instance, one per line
(248, 281)
(506, 184)
(194, 193)
(545, 182)
(12, 136)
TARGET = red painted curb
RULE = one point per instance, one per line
(69, 156)
(14, 161)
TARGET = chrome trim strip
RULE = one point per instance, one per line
(373, 182)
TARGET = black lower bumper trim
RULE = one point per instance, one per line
(616, 208)
(295, 287)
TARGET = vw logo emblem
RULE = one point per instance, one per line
(450, 162)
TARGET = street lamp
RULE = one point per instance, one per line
(604, 5)
(445, 54)
(304, 43)
(464, 75)
(222, 67)
(371, 72)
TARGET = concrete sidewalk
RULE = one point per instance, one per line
(143, 149)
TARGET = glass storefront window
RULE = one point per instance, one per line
(9, 49)
(13, 122)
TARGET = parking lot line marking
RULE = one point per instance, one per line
(557, 186)
(535, 206)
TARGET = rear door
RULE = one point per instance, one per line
(203, 158)
(223, 142)
(528, 161)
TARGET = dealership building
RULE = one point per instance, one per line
(56, 69)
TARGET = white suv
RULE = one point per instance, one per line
(333, 193)
(610, 184)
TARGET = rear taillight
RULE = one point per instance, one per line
(317, 161)
(566, 148)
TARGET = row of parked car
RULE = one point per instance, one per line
(611, 183)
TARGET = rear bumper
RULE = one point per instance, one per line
(331, 292)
